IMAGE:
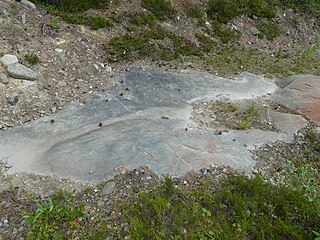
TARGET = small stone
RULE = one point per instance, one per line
(8, 59)
(254, 31)
(27, 4)
(20, 71)
(3, 78)
(54, 109)
(164, 117)
(13, 98)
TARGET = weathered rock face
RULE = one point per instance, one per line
(8, 59)
(20, 71)
(148, 123)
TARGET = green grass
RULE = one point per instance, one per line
(32, 58)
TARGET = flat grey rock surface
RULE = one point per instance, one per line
(143, 121)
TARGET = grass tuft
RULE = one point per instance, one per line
(32, 58)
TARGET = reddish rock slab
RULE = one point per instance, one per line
(311, 110)
(302, 94)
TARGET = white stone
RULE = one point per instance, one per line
(8, 59)
(59, 50)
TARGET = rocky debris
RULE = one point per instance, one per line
(13, 98)
(20, 71)
(3, 78)
(27, 4)
(8, 59)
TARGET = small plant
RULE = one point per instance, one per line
(32, 58)
(53, 217)
(55, 23)
(249, 115)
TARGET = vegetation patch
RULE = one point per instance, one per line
(32, 58)
(242, 208)
(55, 218)
(145, 43)
(268, 29)
(74, 6)
(162, 9)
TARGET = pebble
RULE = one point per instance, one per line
(3, 78)
(20, 71)
(13, 98)
(8, 59)
(27, 4)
